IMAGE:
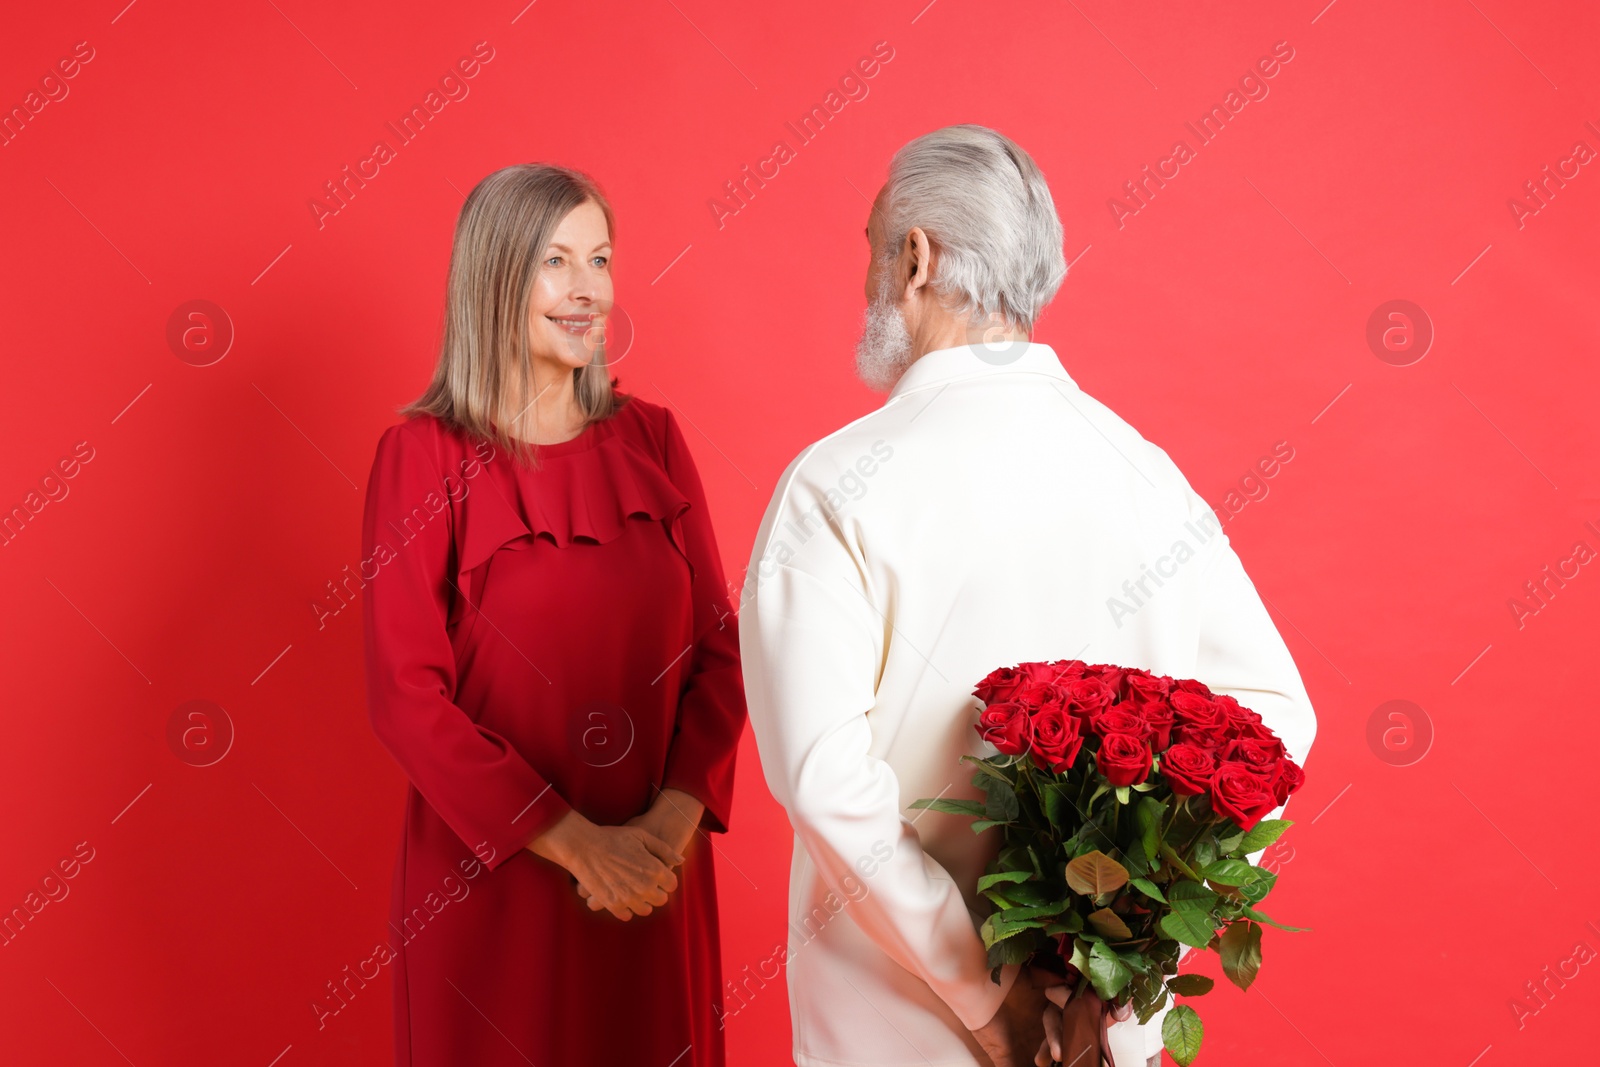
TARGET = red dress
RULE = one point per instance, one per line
(537, 641)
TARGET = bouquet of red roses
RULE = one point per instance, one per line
(1129, 804)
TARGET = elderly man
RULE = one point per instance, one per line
(989, 513)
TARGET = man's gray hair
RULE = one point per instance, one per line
(985, 207)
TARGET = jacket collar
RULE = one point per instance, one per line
(943, 366)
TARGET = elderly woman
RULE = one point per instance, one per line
(550, 660)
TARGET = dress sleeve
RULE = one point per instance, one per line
(478, 783)
(711, 708)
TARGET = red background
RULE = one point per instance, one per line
(1227, 315)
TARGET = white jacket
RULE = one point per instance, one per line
(988, 514)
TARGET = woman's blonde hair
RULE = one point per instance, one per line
(484, 359)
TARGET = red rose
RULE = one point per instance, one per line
(1057, 739)
(1068, 668)
(1262, 755)
(1187, 705)
(1240, 718)
(1241, 793)
(1142, 685)
(1124, 759)
(1120, 720)
(1210, 740)
(1034, 685)
(1256, 730)
(1290, 778)
(1157, 714)
(1111, 675)
(1000, 685)
(1188, 769)
(1189, 685)
(1199, 713)
(1007, 726)
(1041, 694)
(1087, 696)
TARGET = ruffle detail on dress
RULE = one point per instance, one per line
(585, 496)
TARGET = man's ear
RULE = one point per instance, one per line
(921, 257)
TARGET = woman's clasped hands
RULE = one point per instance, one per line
(627, 870)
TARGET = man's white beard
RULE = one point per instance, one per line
(884, 350)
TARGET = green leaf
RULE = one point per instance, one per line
(1007, 926)
(1015, 857)
(1033, 861)
(1122, 794)
(1148, 888)
(1135, 862)
(951, 807)
(1029, 893)
(983, 824)
(1191, 898)
(1014, 949)
(1170, 854)
(1058, 807)
(1147, 817)
(1190, 985)
(1191, 928)
(986, 772)
(1259, 884)
(988, 931)
(1137, 961)
(1143, 787)
(1229, 845)
(1147, 1011)
(1070, 922)
(996, 929)
(1047, 912)
(1001, 804)
(1190, 920)
(1262, 917)
(1261, 835)
(1107, 972)
(1229, 872)
(1080, 956)
(1004, 876)
(1241, 952)
(1109, 924)
(1094, 873)
(1205, 852)
(1181, 1032)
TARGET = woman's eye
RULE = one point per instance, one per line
(601, 261)
(553, 259)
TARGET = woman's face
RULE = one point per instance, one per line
(572, 290)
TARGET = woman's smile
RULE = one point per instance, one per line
(574, 324)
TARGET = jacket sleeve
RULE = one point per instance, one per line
(1243, 655)
(482, 787)
(812, 645)
(711, 708)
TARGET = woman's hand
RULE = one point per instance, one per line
(626, 870)
(674, 817)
